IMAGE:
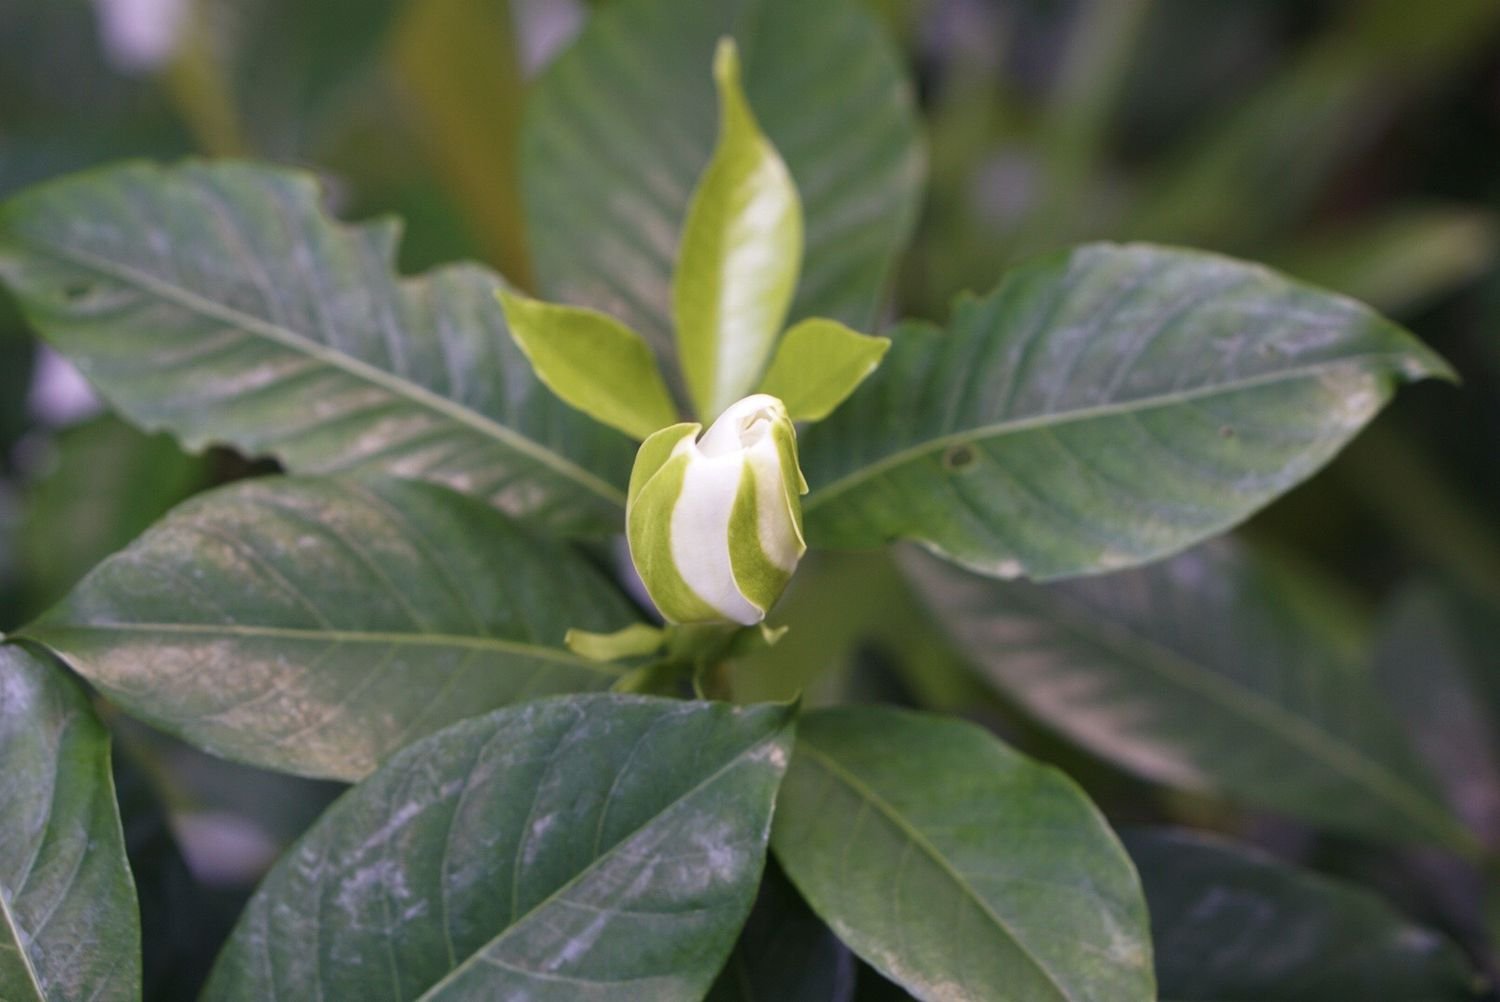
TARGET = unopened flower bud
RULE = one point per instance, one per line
(715, 523)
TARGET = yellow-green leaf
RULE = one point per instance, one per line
(592, 362)
(739, 257)
(818, 364)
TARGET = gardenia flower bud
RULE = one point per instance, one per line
(715, 524)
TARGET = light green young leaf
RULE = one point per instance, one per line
(740, 253)
(1217, 672)
(1103, 407)
(593, 362)
(620, 127)
(818, 364)
(316, 625)
(957, 867)
(69, 926)
(588, 848)
(220, 302)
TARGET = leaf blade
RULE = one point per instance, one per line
(218, 302)
(829, 91)
(739, 255)
(1103, 407)
(593, 362)
(988, 804)
(1210, 672)
(818, 364)
(1229, 920)
(314, 625)
(69, 927)
(575, 908)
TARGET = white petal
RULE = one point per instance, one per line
(742, 424)
(778, 533)
(700, 534)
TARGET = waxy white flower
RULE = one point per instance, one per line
(715, 523)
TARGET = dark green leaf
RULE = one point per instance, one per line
(957, 867)
(217, 301)
(784, 953)
(622, 125)
(68, 923)
(1233, 925)
(1101, 408)
(107, 482)
(291, 69)
(1436, 660)
(1215, 671)
(598, 847)
(316, 625)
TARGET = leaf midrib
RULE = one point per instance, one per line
(1157, 659)
(290, 339)
(805, 746)
(43, 629)
(13, 930)
(477, 956)
(999, 429)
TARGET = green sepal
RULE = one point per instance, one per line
(818, 363)
(654, 453)
(592, 362)
(648, 523)
(635, 640)
(758, 579)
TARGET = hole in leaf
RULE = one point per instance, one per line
(960, 457)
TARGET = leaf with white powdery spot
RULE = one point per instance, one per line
(585, 848)
(220, 302)
(315, 625)
(69, 926)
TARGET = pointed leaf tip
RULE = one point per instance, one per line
(740, 254)
(818, 364)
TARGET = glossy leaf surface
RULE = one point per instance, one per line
(1214, 671)
(818, 363)
(1101, 408)
(594, 847)
(219, 302)
(957, 867)
(621, 126)
(1231, 923)
(593, 362)
(69, 929)
(316, 625)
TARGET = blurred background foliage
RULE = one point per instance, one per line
(1352, 143)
